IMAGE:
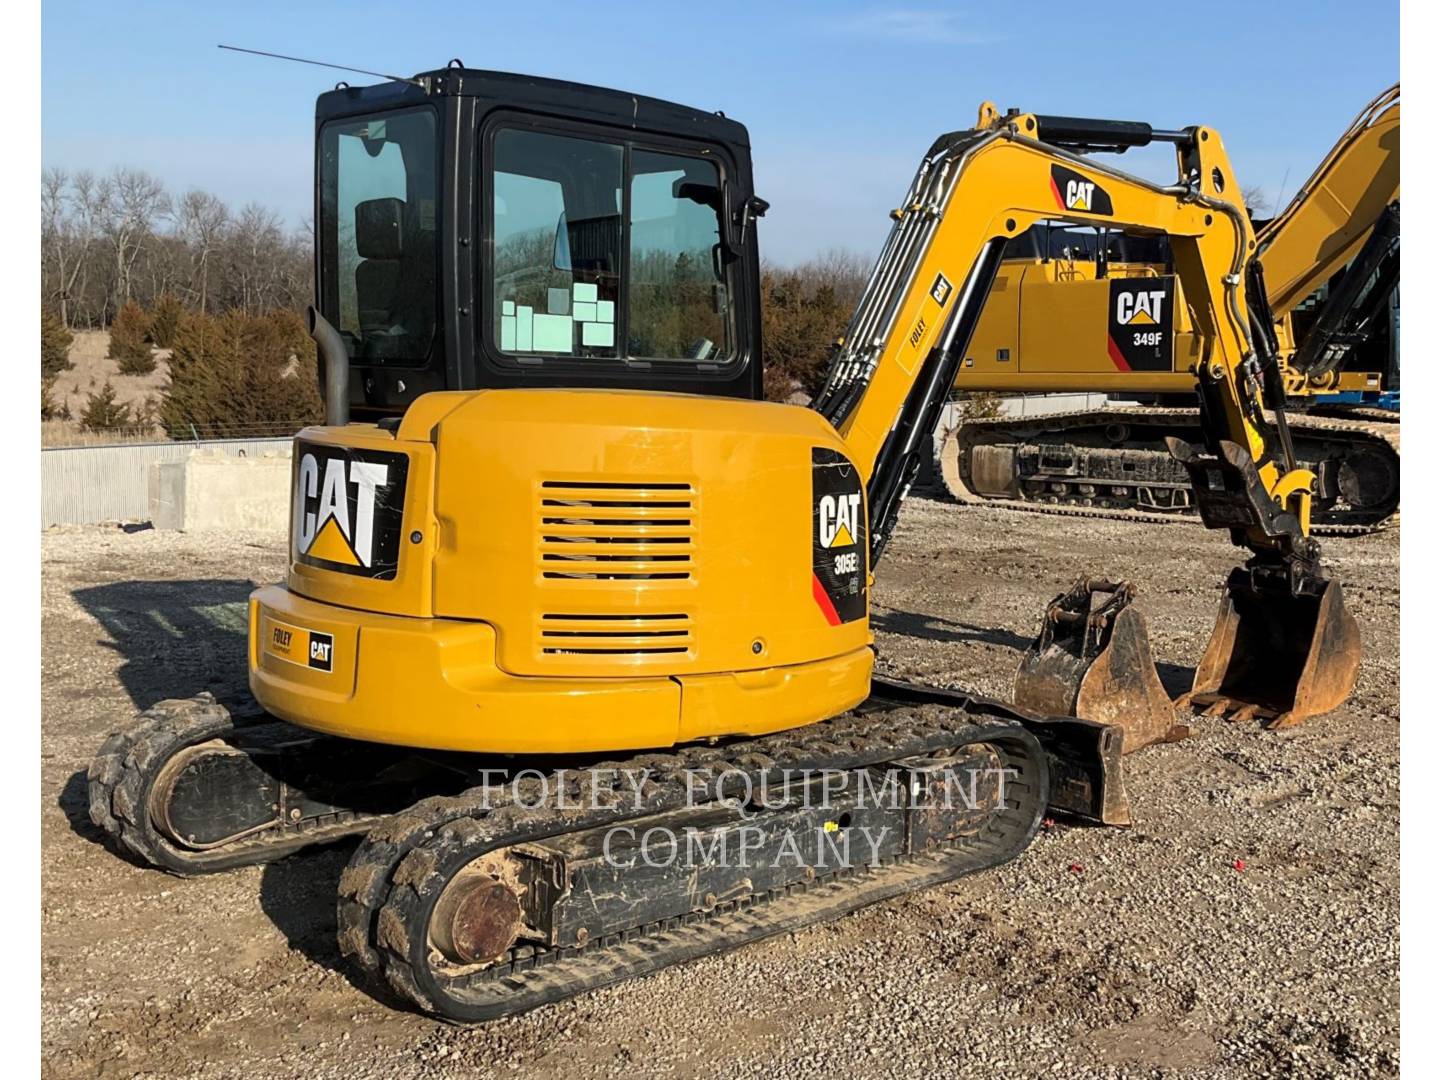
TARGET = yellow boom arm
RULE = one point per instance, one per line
(1328, 219)
(977, 188)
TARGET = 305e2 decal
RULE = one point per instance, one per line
(838, 537)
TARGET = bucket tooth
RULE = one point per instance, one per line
(1092, 660)
(1277, 655)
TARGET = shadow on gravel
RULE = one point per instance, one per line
(1176, 678)
(177, 638)
(298, 895)
(74, 800)
(935, 628)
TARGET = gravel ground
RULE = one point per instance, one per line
(1135, 952)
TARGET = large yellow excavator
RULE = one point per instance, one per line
(1103, 311)
(562, 585)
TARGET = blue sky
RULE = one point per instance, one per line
(840, 98)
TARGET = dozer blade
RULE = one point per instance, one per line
(1092, 660)
(1086, 778)
(1275, 656)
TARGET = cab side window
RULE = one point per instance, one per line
(378, 234)
(678, 304)
(605, 251)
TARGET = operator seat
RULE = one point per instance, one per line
(380, 243)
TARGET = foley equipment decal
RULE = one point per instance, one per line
(1075, 191)
(308, 648)
(838, 540)
(1139, 334)
(348, 509)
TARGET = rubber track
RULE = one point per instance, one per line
(1381, 428)
(398, 872)
(124, 771)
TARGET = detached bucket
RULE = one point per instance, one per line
(1276, 657)
(1092, 660)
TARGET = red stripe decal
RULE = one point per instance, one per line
(1055, 190)
(822, 598)
(1116, 355)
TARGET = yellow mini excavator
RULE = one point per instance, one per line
(1103, 311)
(565, 584)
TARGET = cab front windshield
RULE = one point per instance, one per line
(378, 234)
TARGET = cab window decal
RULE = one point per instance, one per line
(1075, 191)
(348, 509)
(838, 537)
(1139, 333)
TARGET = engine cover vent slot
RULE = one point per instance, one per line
(613, 531)
(581, 634)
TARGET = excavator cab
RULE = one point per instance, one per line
(481, 230)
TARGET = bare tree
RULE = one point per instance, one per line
(1256, 201)
(106, 240)
(68, 208)
(843, 270)
(131, 202)
(203, 221)
(254, 230)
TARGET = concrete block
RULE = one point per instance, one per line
(207, 491)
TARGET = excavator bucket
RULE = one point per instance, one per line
(1276, 657)
(1092, 660)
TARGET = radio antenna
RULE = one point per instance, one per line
(319, 63)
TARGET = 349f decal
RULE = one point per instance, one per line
(348, 509)
(1139, 336)
(838, 537)
(1075, 191)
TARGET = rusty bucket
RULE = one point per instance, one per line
(1092, 660)
(1277, 657)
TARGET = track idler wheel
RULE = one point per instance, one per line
(478, 917)
(1276, 656)
(1092, 660)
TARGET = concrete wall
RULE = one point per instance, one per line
(212, 490)
(82, 485)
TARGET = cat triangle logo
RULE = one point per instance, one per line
(1143, 308)
(330, 544)
(838, 517)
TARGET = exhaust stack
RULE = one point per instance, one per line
(336, 359)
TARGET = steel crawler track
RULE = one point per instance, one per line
(395, 878)
(1380, 436)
